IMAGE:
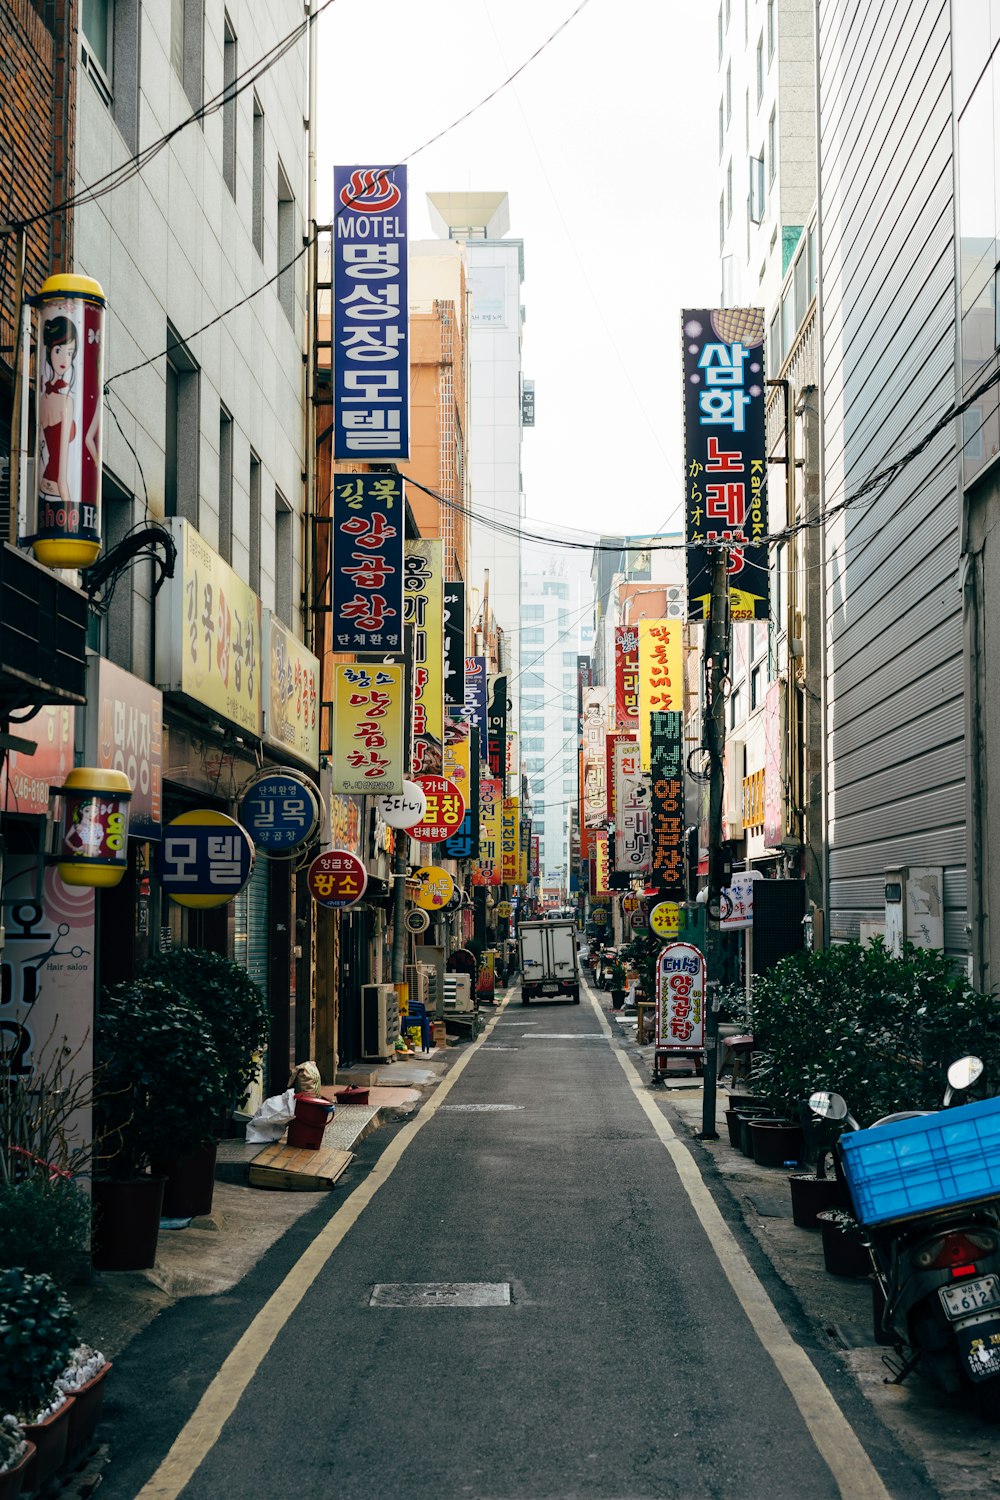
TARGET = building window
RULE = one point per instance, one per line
(720, 33)
(756, 687)
(181, 432)
(532, 611)
(729, 93)
(772, 147)
(229, 72)
(722, 221)
(770, 29)
(554, 587)
(284, 520)
(254, 538)
(746, 121)
(801, 277)
(760, 70)
(257, 225)
(533, 636)
(729, 12)
(757, 189)
(813, 265)
(109, 53)
(286, 246)
(729, 192)
(788, 323)
(97, 18)
(722, 129)
(225, 485)
(187, 46)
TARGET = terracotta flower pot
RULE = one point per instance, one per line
(812, 1195)
(190, 1182)
(50, 1438)
(86, 1413)
(12, 1480)
(126, 1223)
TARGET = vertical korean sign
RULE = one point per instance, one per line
(509, 838)
(423, 608)
(486, 871)
(371, 362)
(680, 998)
(595, 728)
(667, 774)
(454, 645)
(632, 823)
(367, 562)
(627, 677)
(602, 865)
(475, 701)
(496, 709)
(661, 675)
(368, 729)
(725, 466)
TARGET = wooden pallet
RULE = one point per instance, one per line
(291, 1167)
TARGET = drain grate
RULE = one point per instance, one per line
(479, 1109)
(440, 1294)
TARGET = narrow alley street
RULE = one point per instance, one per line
(623, 1347)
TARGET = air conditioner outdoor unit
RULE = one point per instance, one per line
(379, 1021)
(458, 994)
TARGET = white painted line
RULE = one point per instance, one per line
(853, 1471)
(200, 1433)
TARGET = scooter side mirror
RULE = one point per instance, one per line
(828, 1106)
(964, 1073)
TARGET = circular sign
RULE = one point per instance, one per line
(665, 919)
(445, 810)
(416, 921)
(630, 903)
(337, 879)
(637, 920)
(599, 916)
(503, 910)
(204, 859)
(435, 887)
(280, 812)
(403, 809)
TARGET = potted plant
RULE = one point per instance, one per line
(44, 1224)
(163, 1088)
(83, 1379)
(844, 1251)
(815, 1192)
(234, 1014)
(15, 1455)
(36, 1335)
(619, 982)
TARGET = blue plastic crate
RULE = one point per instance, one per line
(912, 1166)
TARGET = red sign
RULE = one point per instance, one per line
(445, 810)
(627, 677)
(337, 879)
(680, 998)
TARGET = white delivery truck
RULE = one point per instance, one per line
(549, 963)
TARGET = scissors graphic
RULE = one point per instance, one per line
(39, 960)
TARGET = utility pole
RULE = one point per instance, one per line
(717, 670)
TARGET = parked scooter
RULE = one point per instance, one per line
(938, 1272)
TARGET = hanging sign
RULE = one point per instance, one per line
(93, 843)
(70, 405)
(661, 674)
(435, 887)
(454, 644)
(509, 839)
(680, 998)
(423, 609)
(667, 866)
(486, 870)
(291, 716)
(504, 910)
(475, 701)
(737, 903)
(627, 677)
(416, 920)
(204, 859)
(280, 812)
(403, 809)
(126, 734)
(337, 879)
(601, 865)
(595, 728)
(665, 919)
(444, 811)
(367, 729)
(536, 856)
(725, 464)
(27, 777)
(631, 849)
(367, 530)
(371, 358)
(496, 700)
(461, 765)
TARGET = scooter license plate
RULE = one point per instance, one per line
(970, 1296)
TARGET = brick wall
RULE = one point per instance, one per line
(37, 134)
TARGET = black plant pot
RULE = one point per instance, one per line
(190, 1182)
(775, 1142)
(843, 1252)
(812, 1196)
(126, 1223)
(617, 999)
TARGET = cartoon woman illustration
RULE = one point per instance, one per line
(87, 831)
(60, 342)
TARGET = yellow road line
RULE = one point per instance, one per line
(201, 1431)
(853, 1471)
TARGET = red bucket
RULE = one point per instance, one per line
(312, 1116)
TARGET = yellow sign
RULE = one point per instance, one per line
(458, 755)
(423, 608)
(486, 870)
(435, 888)
(208, 633)
(602, 867)
(367, 729)
(509, 839)
(665, 919)
(503, 909)
(661, 675)
(292, 722)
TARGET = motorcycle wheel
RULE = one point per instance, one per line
(988, 1400)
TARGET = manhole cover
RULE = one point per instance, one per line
(440, 1294)
(479, 1109)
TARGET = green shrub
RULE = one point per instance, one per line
(37, 1335)
(879, 1030)
(231, 1006)
(44, 1226)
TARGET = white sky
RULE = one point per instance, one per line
(606, 145)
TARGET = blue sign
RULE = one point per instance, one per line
(204, 859)
(475, 700)
(367, 528)
(279, 812)
(371, 358)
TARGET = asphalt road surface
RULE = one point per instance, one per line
(637, 1346)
